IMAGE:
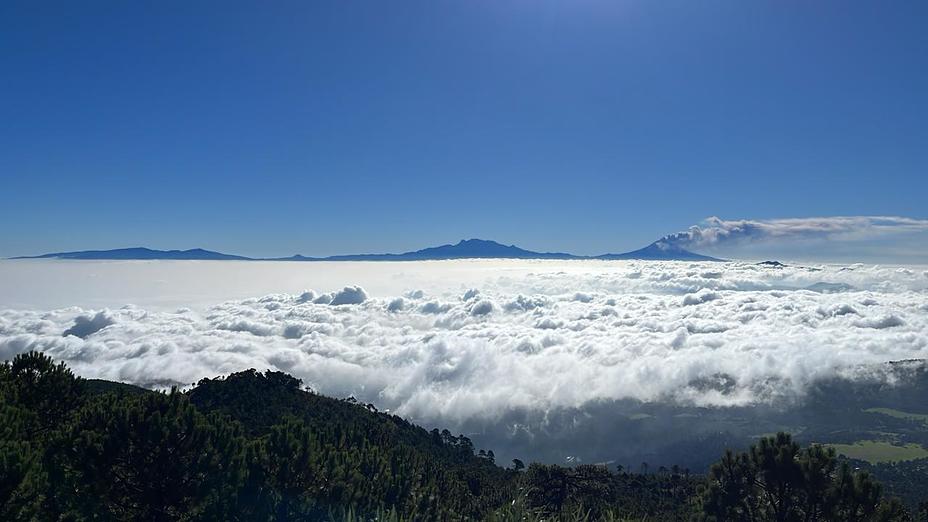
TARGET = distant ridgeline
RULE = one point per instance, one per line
(256, 446)
(465, 249)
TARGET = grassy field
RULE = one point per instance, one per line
(918, 417)
(875, 452)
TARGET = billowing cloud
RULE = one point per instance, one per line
(715, 231)
(88, 324)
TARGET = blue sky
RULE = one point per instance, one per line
(271, 128)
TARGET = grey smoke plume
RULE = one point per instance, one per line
(715, 231)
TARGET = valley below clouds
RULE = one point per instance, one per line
(510, 349)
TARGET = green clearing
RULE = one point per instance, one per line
(918, 417)
(875, 452)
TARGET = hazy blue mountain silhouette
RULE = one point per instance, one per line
(141, 253)
(660, 250)
(464, 249)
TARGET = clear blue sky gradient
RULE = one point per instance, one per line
(271, 128)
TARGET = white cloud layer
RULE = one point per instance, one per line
(543, 337)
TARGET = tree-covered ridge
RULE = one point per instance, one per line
(257, 446)
(342, 453)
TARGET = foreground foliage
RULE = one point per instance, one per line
(258, 446)
(776, 480)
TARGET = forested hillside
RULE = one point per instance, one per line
(258, 446)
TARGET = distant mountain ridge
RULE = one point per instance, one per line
(141, 253)
(660, 250)
(465, 249)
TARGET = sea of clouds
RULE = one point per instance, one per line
(476, 340)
